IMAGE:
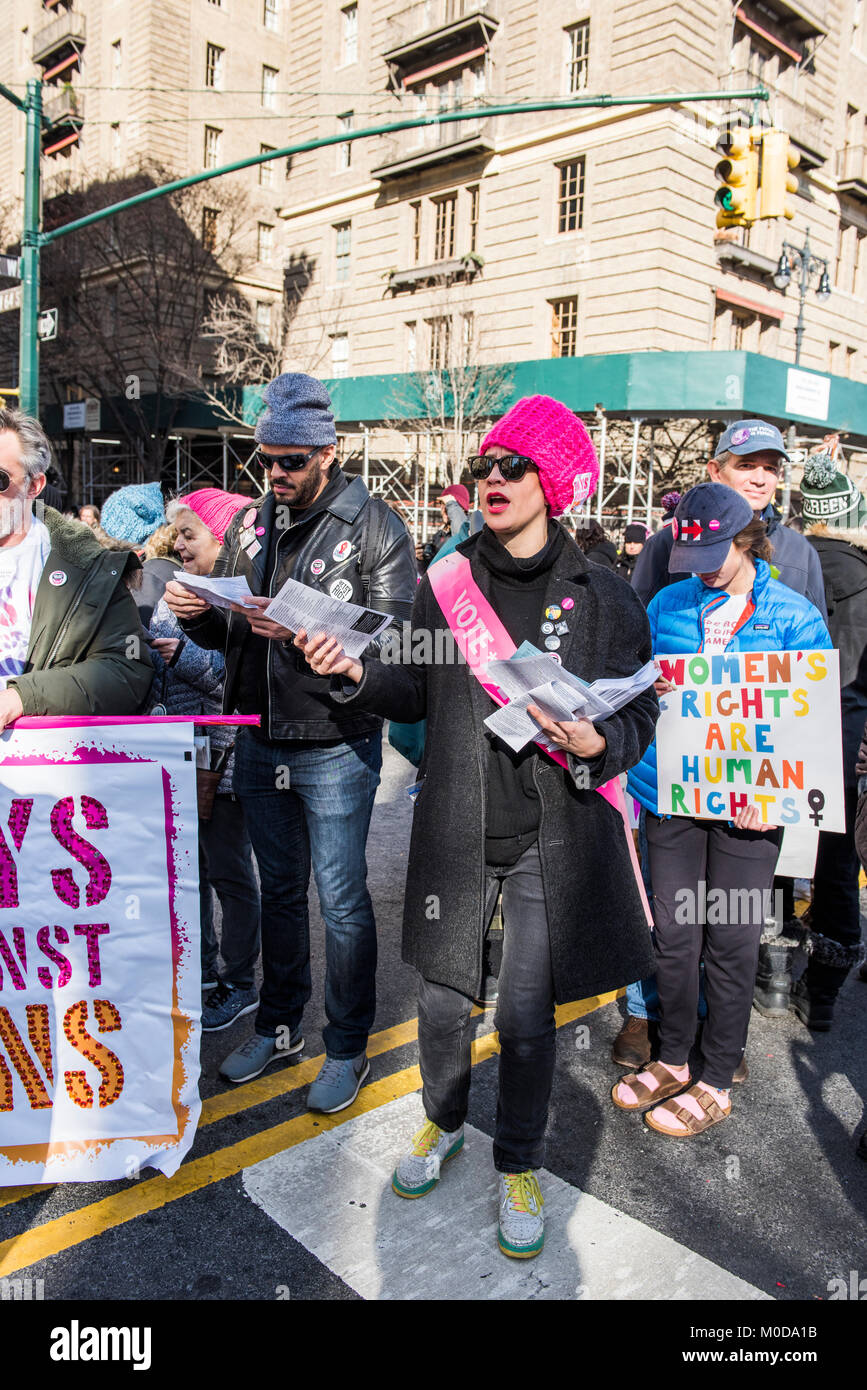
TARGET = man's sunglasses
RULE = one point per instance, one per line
(5, 481)
(290, 463)
(512, 467)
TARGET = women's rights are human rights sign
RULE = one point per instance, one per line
(752, 728)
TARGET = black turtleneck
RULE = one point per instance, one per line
(517, 597)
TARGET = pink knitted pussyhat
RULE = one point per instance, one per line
(549, 433)
(214, 508)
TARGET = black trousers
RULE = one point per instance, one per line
(712, 889)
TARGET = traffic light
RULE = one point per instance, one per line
(776, 176)
(739, 175)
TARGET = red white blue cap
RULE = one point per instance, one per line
(707, 519)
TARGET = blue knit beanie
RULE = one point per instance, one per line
(133, 513)
(299, 412)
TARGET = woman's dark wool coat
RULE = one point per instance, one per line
(599, 934)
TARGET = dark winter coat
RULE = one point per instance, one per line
(843, 557)
(598, 931)
(87, 653)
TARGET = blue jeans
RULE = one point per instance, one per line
(310, 804)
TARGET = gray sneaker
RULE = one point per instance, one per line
(226, 1003)
(338, 1083)
(521, 1232)
(419, 1169)
(254, 1055)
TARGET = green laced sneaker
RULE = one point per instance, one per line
(419, 1170)
(521, 1232)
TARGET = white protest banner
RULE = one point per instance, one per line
(100, 971)
(752, 728)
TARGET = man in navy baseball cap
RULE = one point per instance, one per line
(706, 522)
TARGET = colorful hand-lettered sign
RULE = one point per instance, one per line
(100, 971)
(752, 728)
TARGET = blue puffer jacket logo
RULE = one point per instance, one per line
(776, 619)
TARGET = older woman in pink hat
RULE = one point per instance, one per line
(189, 680)
(529, 826)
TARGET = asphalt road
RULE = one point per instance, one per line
(774, 1196)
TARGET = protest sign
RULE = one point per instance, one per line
(752, 728)
(100, 972)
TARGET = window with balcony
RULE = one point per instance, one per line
(213, 147)
(266, 171)
(577, 57)
(570, 196)
(210, 227)
(564, 327)
(346, 122)
(444, 227)
(271, 15)
(265, 243)
(340, 354)
(214, 66)
(342, 251)
(440, 337)
(269, 87)
(349, 34)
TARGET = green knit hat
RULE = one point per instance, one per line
(830, 496)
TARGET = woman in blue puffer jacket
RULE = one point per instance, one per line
(731, 602)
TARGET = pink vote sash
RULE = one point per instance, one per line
(481, 638)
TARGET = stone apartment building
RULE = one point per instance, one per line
(576, 248)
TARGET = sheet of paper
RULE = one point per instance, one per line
(798, 852)
(298, 606)
(220, 593)
(516, 727)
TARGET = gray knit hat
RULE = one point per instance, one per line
(299, 412)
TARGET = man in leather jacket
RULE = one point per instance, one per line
(308, 775)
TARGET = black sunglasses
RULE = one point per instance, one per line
(290, 463)
(512, 467)
(5, 481)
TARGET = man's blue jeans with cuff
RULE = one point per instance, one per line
(310, 805)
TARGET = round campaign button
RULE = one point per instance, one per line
(547, 629)
(260, 530)
(568, 603)
(341, 550)
(249, 516)
(555, 656)
(57, 577)
(317, 566)
(342, 589)
(561, 629)
(552, 643)
(553, 613)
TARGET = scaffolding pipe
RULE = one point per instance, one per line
(649, 522)
(603, 436)
(633, 469)
(225, 464)
(365, 466)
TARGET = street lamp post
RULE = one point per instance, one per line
(802, 260)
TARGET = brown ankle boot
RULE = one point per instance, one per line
(632, 1044)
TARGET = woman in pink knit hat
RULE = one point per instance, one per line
(530, 825)
(189, 680)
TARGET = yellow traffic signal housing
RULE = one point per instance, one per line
(738, 172)
(776, 176)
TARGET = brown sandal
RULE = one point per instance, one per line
(668, 1086)
(713, 1113)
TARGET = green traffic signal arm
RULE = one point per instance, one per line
(345, 137)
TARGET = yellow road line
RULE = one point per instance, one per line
(19, 1252)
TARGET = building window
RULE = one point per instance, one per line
(265, 243)
(263, 320)
(213, 141)
(480, 79)
(740, 328)
(847, 271)
(474, 217)
(440, 342)
(217, 4)
(570, 197)
(343, 250)
(411, 346)
(349, 30)
(340, 354)
(116, 61)
(271, 14)
(344, 152)
(468, 335)
(419, 132)
(416, 233)
(116, 148)
(851, 361)
(269, 87)
(214, 66)
(564, 327)
(266, 171)
(210, 221)
(578, 56)
(444, 227)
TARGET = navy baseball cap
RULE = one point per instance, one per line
(749, 437)
(707, 519)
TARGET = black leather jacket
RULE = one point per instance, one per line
(272, 679)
